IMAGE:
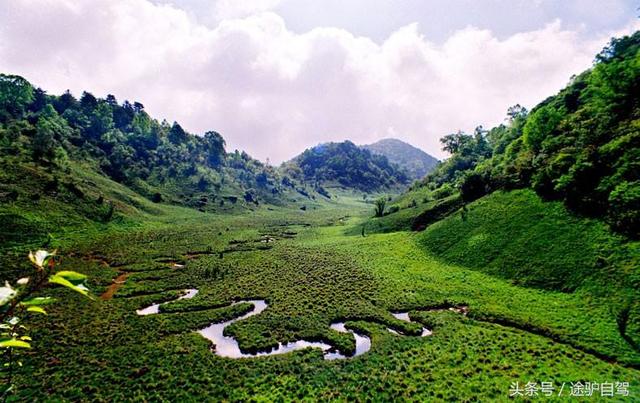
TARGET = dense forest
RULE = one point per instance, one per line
(581, 146)
(162, 161)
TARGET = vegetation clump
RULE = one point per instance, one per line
(380, 205)
(347, 165)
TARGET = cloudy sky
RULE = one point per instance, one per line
(277, 76)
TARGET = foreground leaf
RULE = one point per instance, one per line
(71, 275)
(38, 301)
(14, 343)
(57, 279)
(36, 309)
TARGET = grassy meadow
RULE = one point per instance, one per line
(317, 268)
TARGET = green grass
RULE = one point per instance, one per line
(517, 236)
(319, 276)
(319, 270)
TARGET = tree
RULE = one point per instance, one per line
(379, 206)
(177, 134)
(214, 146)
(123, 115)
(88, 102)
(43, 144)
(101, 120)
(453, 143)
(50, 130)
(64, 102)
(138, 107)
(473, 187)
(516, 112)
(481, 146)
(624, 208)
(39, 100)
(16, 94)
(111, 100)
(540, 125)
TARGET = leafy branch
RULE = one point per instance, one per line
(18, 302)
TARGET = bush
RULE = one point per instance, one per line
(473, 187)
(443, 191)
(624, 208)
(380, 205)
(392, 209)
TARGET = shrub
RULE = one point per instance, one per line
(624, 208)
(392, 209)
(473, 187)
(380, 205)
(443, 191)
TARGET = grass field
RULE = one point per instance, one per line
(316, 269)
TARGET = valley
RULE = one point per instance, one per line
(143, 262)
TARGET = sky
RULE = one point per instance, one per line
(277, 76)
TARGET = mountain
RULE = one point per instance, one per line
(416, 162)
(348, 166)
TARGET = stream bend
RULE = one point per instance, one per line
(226, 346)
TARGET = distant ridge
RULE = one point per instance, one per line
(416, 162)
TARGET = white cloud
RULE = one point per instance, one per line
(225, 9)
(273, 92)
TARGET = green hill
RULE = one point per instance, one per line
(416, 162)
(575, 159)
(348, 166)
(580, 146)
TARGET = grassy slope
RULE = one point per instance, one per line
(413, 209)
(40, 208)
(320, 276)
(402, 219)
(516, 235)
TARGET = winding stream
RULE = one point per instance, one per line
(155, 308)
(226, 346)
(405, 317)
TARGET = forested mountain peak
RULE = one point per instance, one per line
(347, 165)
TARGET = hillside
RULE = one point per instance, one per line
(95, 161)
(580, 146)
(416, 162)
(539, 200)
(517, 235)
(347, 166)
